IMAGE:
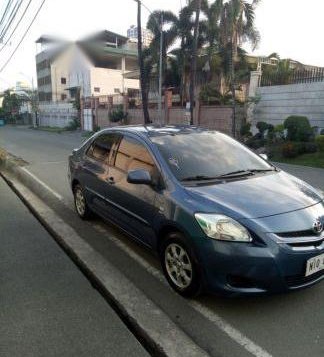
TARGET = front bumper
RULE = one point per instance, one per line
(256, 268)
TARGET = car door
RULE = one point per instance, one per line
(134, 205)
(95, 170)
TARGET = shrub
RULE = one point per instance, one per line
(279, 132)
(289, 150)
(255, 143)
(118, 115)
(262, 127)
(298, 128)
(310, 148)
(320, 142)
(246, 130)
(73, 125)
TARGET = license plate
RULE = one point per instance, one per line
(315, 265)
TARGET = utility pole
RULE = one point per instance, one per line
(143, 78)
(159, 23)
(194, 61)
(160, 72)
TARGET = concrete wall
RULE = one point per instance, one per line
(279, 102)
(56, 114)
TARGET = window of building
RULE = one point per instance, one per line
(63, 96)
(63, 80)
(96, 89)
(116, 90)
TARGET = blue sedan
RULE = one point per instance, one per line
(221, 218)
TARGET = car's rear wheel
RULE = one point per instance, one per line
(179, 266)
(80, 203)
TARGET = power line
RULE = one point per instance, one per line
(23, 37)
(11, 19)
(5, 11)
(14, 30)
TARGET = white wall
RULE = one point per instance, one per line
(109, 79)
(279, 102)
(56, 114)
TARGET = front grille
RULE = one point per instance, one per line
(294, 281)
(296, 234)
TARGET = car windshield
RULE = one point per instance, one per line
(207, 155)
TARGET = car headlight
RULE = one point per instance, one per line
(217, 226)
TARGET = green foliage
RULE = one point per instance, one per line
(320, 142)
(299, 128)
(209, 93)
(11, 105)
(293, 149)
(255, 143)
(262, 127)
(118, 115)
(289, 150)
(246, 130)
(73, 125)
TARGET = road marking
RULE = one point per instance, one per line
(209, 314)
(223, 325)
(57, 195)
(50, 162)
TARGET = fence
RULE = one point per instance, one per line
(98, 110)
(293, 76)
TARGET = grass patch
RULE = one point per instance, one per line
(313, 160)
(51, 129)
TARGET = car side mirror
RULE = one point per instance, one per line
(139, 177)
(264, 156)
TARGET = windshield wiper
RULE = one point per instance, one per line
(237, 173)
(261, 170)
(199, 178)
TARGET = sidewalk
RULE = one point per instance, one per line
(47, 307)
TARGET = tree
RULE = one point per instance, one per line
(144, 83)
(194, 53)
(11, 104)
(237, 27)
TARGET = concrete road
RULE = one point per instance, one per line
(48, 308)
(281, 325)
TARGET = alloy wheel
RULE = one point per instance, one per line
(178, 265)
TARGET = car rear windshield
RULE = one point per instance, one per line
(206, 154)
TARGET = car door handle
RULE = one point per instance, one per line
(111, 180)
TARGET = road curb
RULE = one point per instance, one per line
(158, 333)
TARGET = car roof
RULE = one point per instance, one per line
(157, 130)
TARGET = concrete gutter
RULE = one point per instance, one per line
(157, 332)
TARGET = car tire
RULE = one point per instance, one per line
(80, 203)
(180, 266)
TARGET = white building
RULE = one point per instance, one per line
(94, 66)
(147, 35)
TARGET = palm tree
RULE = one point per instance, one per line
(144, 82)
(237, 26)
(180, 27)
(193, 70)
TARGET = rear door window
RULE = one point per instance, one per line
(133, 155)
(101, 147)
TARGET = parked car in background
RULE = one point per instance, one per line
(221, 218)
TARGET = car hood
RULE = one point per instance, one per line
(259, 196)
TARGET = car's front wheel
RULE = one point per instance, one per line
(179, 266)
(80, 203)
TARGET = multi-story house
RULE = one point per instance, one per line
(147, 35)
(94, 65)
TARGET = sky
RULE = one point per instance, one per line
(292, 28)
